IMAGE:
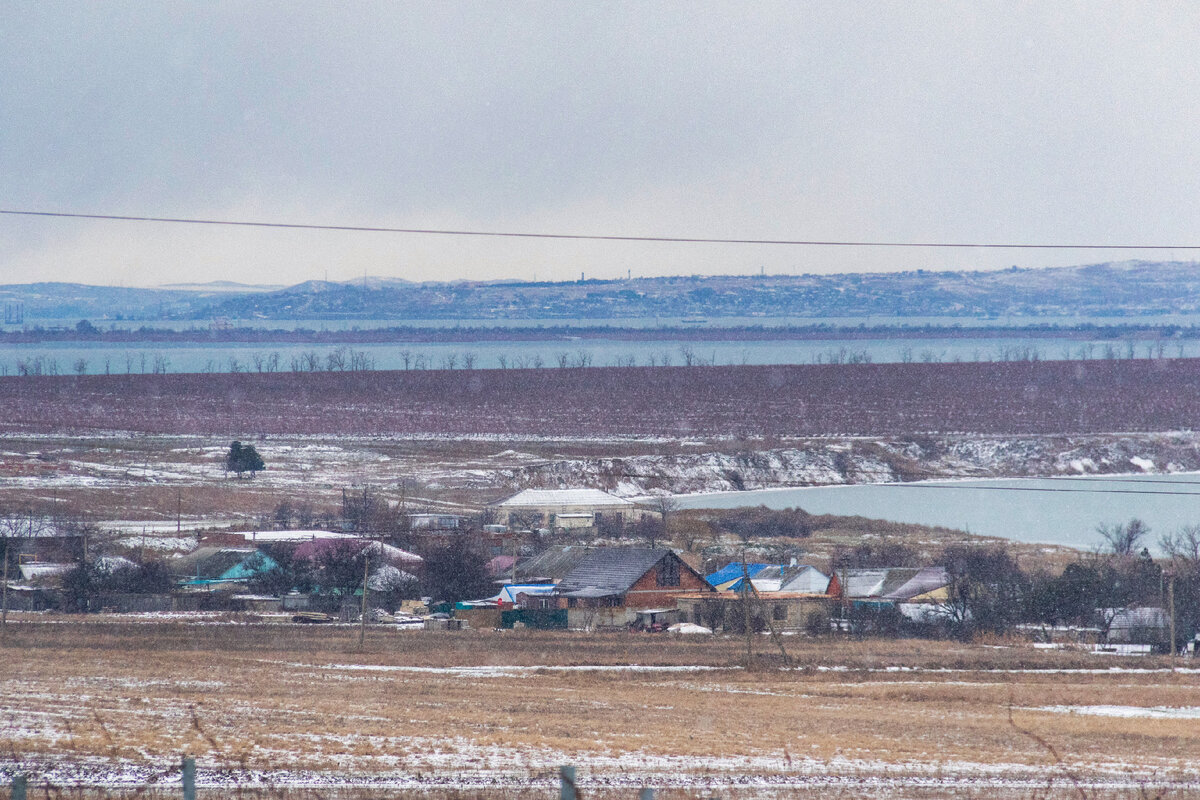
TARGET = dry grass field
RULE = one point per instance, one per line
(277, 710)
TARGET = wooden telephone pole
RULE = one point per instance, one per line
(1171, 608)
(362, 625)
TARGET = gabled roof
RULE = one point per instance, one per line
(876, 582)
(209, 563)
(509, 593)
(386, 578)
(540, 498)
(893, 583)
(926, 580)
(804, 578)
(553, 563)
(317, 548)
(259, 537)
(611, 570)
(1147, 617)
(40, 570)
(253, 564)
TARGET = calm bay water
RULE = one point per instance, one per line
(100, 358)
(1062, 511)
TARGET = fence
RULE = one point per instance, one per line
(568, 789)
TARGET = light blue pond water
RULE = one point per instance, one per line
(1062, 511)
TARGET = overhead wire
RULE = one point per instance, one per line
(590, 237)
(686, 240)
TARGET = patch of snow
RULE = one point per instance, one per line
(1153, 712)
(510, 671)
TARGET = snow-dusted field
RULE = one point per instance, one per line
(156, 483)
(286, 708)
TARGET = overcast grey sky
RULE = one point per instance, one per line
(1042, 122)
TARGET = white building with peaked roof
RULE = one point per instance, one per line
(565, 508)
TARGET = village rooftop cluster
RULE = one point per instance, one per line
(489, 576)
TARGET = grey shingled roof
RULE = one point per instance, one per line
(926, 580)
(611, 570)
(553, 563)
(877, 582)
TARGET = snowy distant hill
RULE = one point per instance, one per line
(1112, 289)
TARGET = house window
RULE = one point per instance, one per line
(668, 572)
(779, 612)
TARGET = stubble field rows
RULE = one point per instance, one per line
(737, 401)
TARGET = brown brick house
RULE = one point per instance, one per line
(611, 585)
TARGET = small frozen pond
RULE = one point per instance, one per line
(1062, 511)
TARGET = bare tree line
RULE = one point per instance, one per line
(347, 359)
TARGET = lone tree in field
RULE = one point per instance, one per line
(243, 458)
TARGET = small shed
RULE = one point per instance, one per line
(1146, 625)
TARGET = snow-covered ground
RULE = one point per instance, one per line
(140, 478)
(1157, 712)
(679, 466)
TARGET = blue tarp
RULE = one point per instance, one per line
(733, 572)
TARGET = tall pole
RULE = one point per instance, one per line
(1170, 602)
(4, 601)
(362, 626)
(746, 610)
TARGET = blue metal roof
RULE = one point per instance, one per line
(731, 572)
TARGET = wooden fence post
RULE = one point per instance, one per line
(19, 783)
(189, 778)
(567, 790)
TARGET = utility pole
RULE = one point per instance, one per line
(513, 538)
(4, 601)
(746, 610)
(768, 617)
(1170, 602)
(362, 626)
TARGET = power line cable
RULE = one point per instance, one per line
(592, 237)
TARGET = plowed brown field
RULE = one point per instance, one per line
(872, 399)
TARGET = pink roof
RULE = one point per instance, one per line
(317, 548)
